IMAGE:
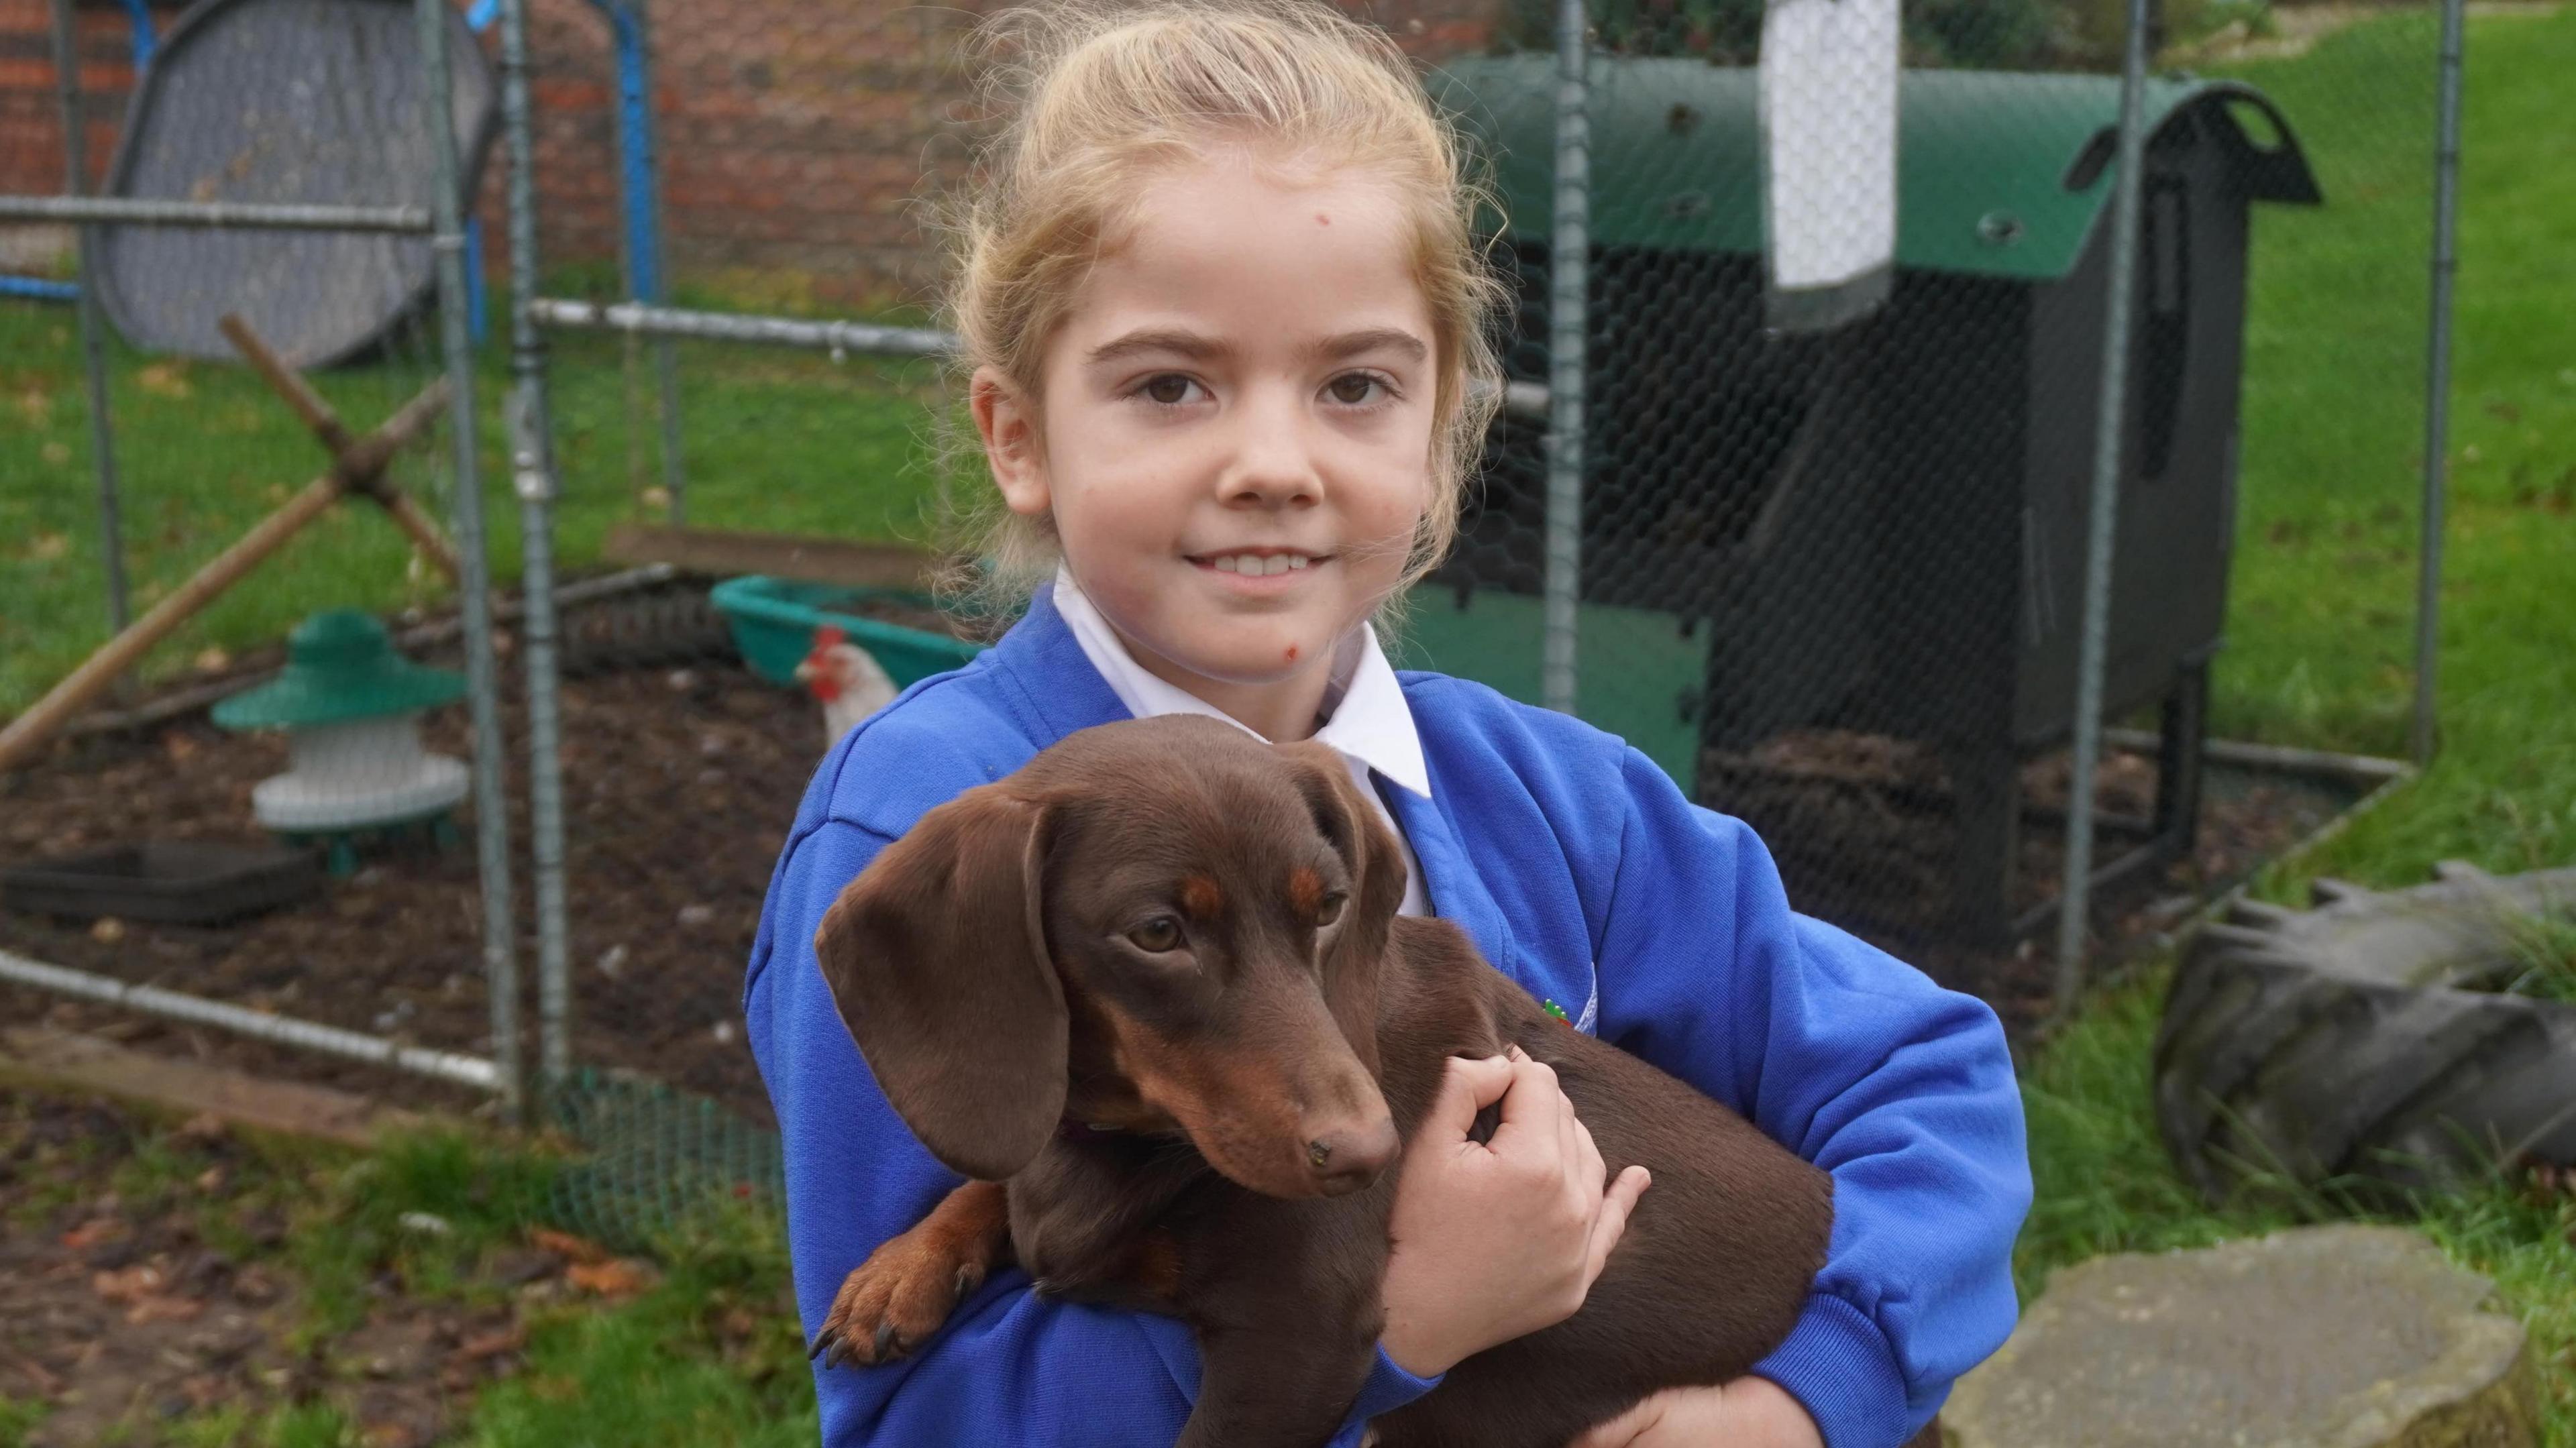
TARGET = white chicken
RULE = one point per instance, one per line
(848, 682)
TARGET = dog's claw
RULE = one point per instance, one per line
(885, 1341)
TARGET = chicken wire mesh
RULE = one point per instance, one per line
(212, 826)
(1829, 568)
(1831, 575)
(1830, 565)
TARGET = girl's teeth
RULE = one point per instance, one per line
(1253, 565)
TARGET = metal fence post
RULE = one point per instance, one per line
(491, 797)
(533, 478)
(2076, 883)
(102, 435)
(2437, 384)
(644, 172)
(1568, 257)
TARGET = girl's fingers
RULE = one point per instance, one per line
(1529, 1107)
(1613, 1222)
(1466, 1087)
(1616, 1204)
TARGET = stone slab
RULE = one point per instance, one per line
(2317, 1337)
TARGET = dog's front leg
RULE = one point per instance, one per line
(1288, 1328)
(904, 1292)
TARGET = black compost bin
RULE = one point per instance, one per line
(1876, 533)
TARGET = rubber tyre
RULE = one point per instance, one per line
(2363, 1044)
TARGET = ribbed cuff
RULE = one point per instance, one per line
(1838, 1364)
(1388, 1388)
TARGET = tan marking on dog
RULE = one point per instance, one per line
(1201, 897)
(1306, 890)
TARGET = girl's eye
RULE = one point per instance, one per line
(1330, 909)
(1171, 389)
(1352, 389)
(1156, 936)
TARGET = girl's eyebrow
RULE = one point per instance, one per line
(1198, 348)
(1167, 339)
(1375, 339)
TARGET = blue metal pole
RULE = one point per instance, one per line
(93, 327)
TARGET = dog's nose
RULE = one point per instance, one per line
(1346, 1159)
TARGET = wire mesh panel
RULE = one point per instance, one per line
(258, 842)
(1832, 574)
(775, 176)
(1831, 564)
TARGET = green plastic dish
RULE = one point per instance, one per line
(773, 622)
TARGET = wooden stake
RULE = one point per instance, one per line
(31, 729)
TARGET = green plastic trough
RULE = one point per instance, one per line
(774, 619)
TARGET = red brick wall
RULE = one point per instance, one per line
(796, 136)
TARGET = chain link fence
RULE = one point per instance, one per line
(249, 791)
(1820, 550)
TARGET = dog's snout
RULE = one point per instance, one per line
(1344, 1159)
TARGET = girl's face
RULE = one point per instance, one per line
(1235, 439)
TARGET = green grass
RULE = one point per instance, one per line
(709, 1356)
(774, 440)
(2320, 637)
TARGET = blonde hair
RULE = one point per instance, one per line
(1100, 94)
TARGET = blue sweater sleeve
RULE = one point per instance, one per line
(1010, 1367)
(1902, 1090)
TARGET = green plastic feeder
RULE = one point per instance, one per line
(350, 705)
(340, 665)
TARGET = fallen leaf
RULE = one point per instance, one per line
(565, 1244)
(57, 453)
(608, 1279)
(49, 546)
(165, 379)
(108, 930)
(211, 1180)
(213, 661)
(133, 1284)
(178, 746)
(91, 1233)
(161, 1307)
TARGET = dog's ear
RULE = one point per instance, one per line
(936, 955)
(1376, 864)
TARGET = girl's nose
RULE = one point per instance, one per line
(1271, 466)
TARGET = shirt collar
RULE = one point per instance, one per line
(1370, 721)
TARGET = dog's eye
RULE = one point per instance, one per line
(1157, 935)
(1330, 909)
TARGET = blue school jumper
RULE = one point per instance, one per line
(1580, 871)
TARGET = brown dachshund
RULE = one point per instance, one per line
(1164, 935)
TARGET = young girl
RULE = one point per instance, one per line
(1224, 316)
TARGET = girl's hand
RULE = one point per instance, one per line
(1497, 1241)
(1746, 1413)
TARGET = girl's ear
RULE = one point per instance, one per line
(1009, 427)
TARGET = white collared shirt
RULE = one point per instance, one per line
(1366, 719)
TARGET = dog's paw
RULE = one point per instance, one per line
(895, 1301)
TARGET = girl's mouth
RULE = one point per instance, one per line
(1258, 562)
